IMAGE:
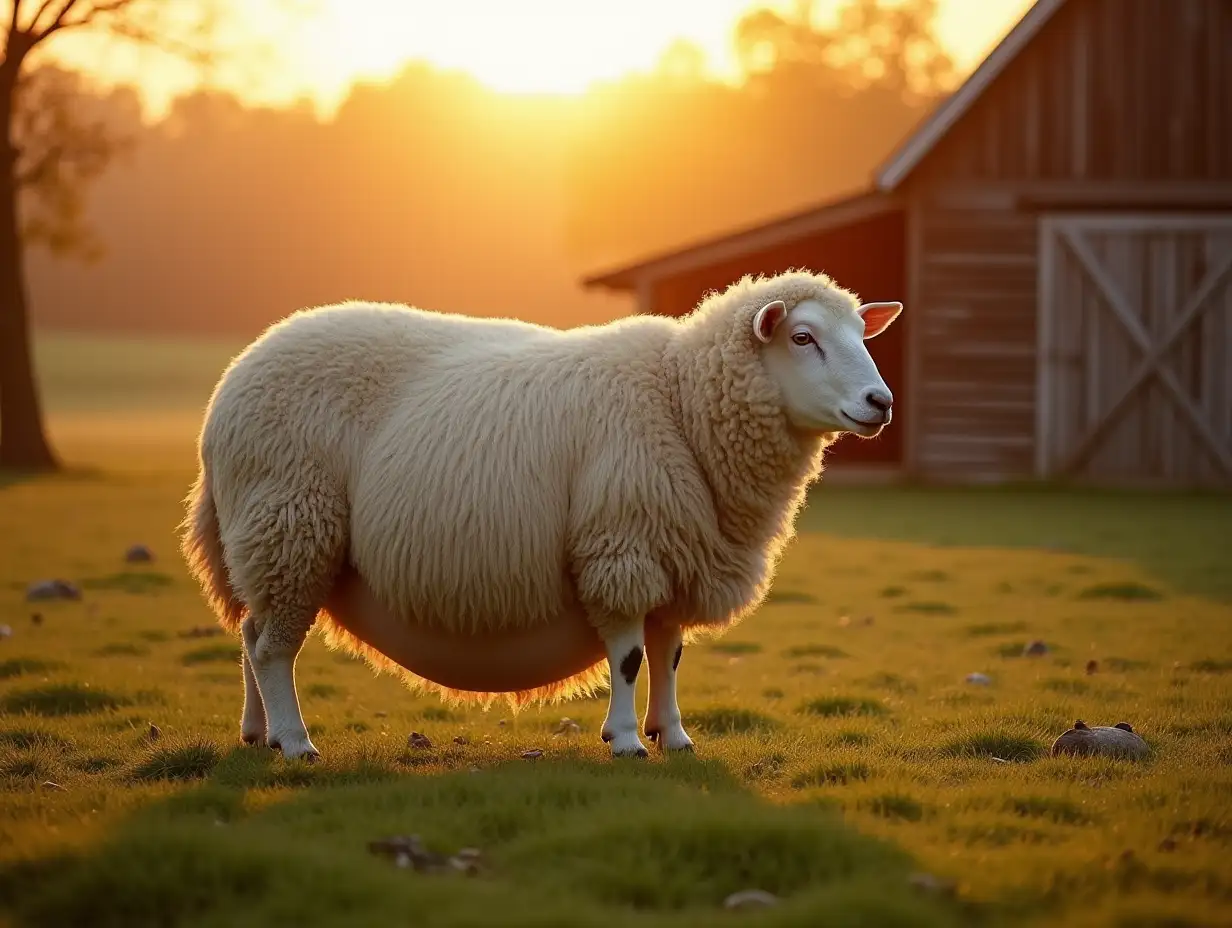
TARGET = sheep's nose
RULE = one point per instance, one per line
(880, 400)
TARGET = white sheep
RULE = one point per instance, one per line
(493, 507)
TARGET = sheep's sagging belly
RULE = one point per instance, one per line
(498, 661)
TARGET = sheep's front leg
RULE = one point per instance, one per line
(664, 646)
(625, 647)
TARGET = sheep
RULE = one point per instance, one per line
(491, 507)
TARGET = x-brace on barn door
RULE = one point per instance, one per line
(1135, 348)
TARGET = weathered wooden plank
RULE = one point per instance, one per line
(1128, 89)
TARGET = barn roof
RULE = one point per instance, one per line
(817, 219)
(912, 151)
(886, 179)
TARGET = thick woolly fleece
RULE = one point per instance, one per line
(494, 473)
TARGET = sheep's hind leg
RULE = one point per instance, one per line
(664, 645)
(624, 658)
(273, 664)
(284, 556)
(253, 722)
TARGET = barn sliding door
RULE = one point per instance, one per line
(1135, 349)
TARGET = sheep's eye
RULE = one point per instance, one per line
(801, 338)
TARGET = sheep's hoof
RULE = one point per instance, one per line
(310, 757)
(306, 752)
(672, 740)
(252, 738)
(636, 749)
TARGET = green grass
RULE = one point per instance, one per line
(828, 787)
(86, 373)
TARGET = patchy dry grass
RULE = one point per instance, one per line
(839, 747)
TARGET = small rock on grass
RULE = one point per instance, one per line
(567, 727)
(980, 679)
(408, 852)
(750, 899)
(934, 885)
(418, 740)
(461, 739)
(138, 554)
(52, 589)
(532, 754)
(6, 631)
(1119, 740)
(1092, 667)
(1035, 648)
(468, 860)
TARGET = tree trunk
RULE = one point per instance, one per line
(23, 439)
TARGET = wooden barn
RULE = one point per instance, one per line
(1060, 230)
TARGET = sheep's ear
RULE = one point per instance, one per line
(768, 318)
(878, 316)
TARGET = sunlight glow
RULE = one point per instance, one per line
(512, 46)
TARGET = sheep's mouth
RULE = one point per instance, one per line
(866, 427)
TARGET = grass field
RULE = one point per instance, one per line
(840, 751)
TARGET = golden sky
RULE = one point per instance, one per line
(535, 46)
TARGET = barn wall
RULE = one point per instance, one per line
(1113, 100)
(974, 381)
(1109, 90)
(866, 257)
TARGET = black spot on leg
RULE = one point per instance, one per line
(676, 659)
(631, 664)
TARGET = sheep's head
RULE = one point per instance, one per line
(815, 352)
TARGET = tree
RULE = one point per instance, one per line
(874, 46)
(49, 152)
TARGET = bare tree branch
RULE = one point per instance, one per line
(99, 8)
(64, 11)
(143, 36)
(43, 8)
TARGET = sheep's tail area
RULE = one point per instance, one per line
(201, 545)
(590, 682)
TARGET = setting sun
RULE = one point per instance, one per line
(540, 46)
(527, 47)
